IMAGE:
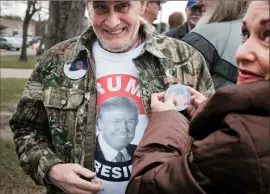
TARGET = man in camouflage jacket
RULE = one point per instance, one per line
(55, 121)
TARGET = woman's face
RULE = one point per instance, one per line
(253, 54)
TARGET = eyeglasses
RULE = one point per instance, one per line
(101, 7)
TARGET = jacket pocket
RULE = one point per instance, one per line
(63, 98)
(62, 105)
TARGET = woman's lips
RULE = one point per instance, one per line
(247, 76)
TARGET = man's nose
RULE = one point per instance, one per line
(112, 20)
(123, 126)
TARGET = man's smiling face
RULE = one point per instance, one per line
(116, 23)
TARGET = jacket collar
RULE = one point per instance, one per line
(182, 30)
(85, 41)
(252, 98)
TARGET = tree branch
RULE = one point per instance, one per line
(34, 10)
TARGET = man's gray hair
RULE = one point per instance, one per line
(118, 102)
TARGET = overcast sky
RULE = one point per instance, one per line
(167, 8)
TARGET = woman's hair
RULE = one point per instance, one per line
(176, 19)
(227, 10)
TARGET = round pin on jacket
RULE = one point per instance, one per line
(75, 70)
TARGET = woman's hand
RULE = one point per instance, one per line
(196, 99)
(158, 104)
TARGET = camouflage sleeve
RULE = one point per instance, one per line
(191, 67)
(32, 137)
(205, 84)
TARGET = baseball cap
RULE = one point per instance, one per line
(191, 4)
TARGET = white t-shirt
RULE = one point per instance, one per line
(120, 126)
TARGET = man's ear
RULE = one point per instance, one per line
(99, 125)
(137, 121)
(143, 6)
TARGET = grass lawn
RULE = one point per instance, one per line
(12, 178)
(10, 92)
(13, 62)
(11, 88)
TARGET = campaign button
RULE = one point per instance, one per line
(75, 70)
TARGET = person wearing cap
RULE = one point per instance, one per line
(151, 11)
(216, 38)
(194, 13)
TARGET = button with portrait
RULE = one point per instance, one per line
(76, 70)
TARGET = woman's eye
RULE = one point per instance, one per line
(266, 36)
(245, 35)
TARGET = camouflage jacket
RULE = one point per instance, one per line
(55, 119)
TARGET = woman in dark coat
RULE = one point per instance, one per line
(230, 152)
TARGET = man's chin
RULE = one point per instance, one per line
(115, 48)
(120, 148)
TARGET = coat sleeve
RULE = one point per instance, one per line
(217, 163)
(205, 84)
(193, 70)
(158, 161)
(32, 136)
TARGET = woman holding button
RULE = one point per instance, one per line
(230, 151)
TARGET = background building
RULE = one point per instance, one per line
(14, 26)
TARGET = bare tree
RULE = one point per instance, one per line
(66, 20)
(30, 11)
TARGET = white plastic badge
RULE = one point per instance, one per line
(75, 70)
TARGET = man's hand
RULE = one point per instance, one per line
(67, 178)
(158, 104)
(196, 99)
